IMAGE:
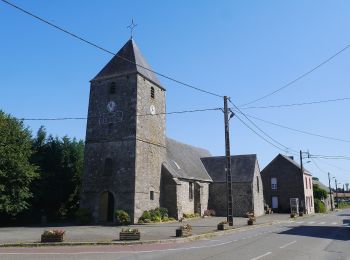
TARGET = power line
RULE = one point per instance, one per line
(313, 161)
(329, 157)
(286, 149)
(298, 104)
(262, 137)
(107, 51)
(84, 118)
(298, 78)
(335, 166)
(254, 124)
(299, 131)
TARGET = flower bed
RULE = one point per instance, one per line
(184, 231)
(223, 225)
(129, 234)
(55, 235)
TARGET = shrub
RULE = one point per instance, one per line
(83, 216)
(163, 212)
(209, 212)
(319, 206)
(154, 215)
(122, 217)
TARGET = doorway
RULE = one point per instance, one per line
(106, 213)
(274, 202)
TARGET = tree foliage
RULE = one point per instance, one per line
(60, 163)
(319, 193)
(16, 172)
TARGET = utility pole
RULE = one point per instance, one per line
(336, 192)
(330, 191)
(228, 165)
(301, 162)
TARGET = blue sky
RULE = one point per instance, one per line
(242, 49)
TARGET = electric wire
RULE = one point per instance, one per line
(148, 114)
(107, 51)
(258, 134)
(299, 131)
(298, 78)
(262, 131)
(298, 104)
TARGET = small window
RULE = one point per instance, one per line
(112, 88)
(190, 191)
(152, 92)
(110, 128)
(305, 183)
(151, 195)
(108, 167)
(257, 183)
(274, 183)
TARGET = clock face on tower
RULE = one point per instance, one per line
(111, 106)
(152, 109)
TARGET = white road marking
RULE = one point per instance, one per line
(300, 222)
(288, 244)
(322, 223)
(261, 256)
(334, 223)
(311, 222)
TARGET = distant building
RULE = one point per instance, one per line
(284, 179)
(329, 200)
(247, 185)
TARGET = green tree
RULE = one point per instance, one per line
(60, 163)
(16, 171)
(319, 193)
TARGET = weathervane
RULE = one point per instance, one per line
(131, 27)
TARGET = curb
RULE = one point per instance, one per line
(161, 241)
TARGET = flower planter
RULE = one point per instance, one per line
(51, 238)
(292, 215)
(183, 232)
(250, 222)
(129, 235)
(222, 226)
(301, 214)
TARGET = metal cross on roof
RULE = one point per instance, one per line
(131, 27)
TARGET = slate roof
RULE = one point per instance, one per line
(242, 167)
(183, 161)
(293, 162)
(119, 66)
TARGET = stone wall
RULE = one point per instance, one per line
(242, 198)
(184, 203)
(258, 193)
(110, 135)
(150, 145)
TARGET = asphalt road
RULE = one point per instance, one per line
(318, 237)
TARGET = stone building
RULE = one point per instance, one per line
(127, 154)
(284, 179)
(185, 181)
(247, 185)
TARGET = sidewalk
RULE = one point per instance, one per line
(161, 231)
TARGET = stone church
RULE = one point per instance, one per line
(130, 164)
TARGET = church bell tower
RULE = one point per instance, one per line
(125, 138)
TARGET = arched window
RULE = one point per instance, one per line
(112, 88)
(152, 92)
(108, 167)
